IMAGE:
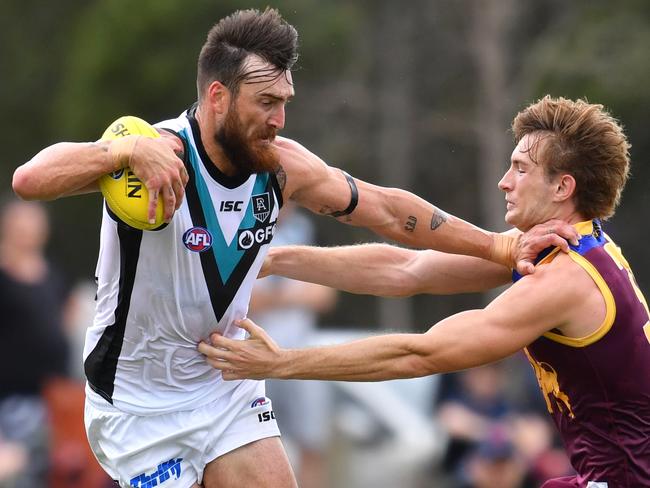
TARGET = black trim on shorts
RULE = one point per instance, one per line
(101, 364)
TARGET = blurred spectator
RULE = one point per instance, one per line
(495, 463)
(470, 404)
(32, 341)
(537, 443)
(288, 310)
(484, 422)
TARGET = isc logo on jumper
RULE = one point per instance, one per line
(231, 206)
(163, 472)
(197, 239)
(246, 238)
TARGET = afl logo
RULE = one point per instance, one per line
(197, 239)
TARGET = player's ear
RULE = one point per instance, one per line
(218, 97)
(566, 187)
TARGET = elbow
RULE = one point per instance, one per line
(385, 283)
(419, 365)
(404, 278)
(21, 184)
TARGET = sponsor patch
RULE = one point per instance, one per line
(258, 402)
(160, 475)
(247, 238)
(197, 239)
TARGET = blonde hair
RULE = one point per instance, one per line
(585, 141)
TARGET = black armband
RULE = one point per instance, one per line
(354, 198)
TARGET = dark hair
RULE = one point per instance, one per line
(244, 32)
(581, 139)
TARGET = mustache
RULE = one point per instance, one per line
(269, 133)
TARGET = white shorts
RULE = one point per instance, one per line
(171, 450)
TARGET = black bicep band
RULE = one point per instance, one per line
(354, 198)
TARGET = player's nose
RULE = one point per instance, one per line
(505, 183)
(277, 118)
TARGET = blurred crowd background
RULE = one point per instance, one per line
(417, 94)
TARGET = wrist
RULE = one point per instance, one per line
(121, 151)
(269, 261)
(282, 367)
(502, 251)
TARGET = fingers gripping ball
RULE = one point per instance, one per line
(125, 194)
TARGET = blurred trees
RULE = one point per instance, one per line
(416, 94)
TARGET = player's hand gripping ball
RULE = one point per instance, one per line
(125, 194)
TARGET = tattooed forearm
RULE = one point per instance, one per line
(337, 214)
(281, 176)
(411, 222)
(437, 219)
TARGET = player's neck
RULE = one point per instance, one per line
(571, 216)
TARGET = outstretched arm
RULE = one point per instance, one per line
(533, 306)
(385, 270)
(399, 215)
(69, 168)
(63, 169)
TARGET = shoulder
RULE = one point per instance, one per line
(561, 286)
(294, 155)
(176, 124)
(300, 166)
(559, 271)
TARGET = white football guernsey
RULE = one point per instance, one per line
(161, 292)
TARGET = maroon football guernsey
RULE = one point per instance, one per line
(597, 388)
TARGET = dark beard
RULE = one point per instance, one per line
(242, 154)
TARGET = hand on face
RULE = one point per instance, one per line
(531, 243)
(252, 358)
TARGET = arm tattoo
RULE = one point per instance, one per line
(411, 222)
(281, 176)
(437, 219)
(103, 145)
(330, 212)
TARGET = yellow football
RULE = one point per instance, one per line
(125, 194)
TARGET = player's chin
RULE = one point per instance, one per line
(517, 222)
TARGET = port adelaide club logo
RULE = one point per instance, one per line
(197, 239)
(247, 238)
(261, 206)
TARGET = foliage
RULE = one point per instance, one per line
(70, 67)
